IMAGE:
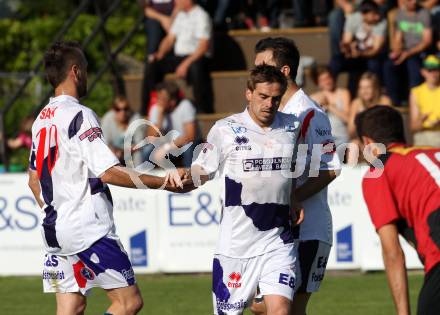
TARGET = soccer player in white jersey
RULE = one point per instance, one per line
(253, 152)
(322, 164)
(70, 167)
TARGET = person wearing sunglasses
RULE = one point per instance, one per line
(114, 126)
(424, 105)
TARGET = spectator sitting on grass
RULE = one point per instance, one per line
(425, 105)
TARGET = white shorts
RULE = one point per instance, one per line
(312, 257)
(105, 265)
(235, 280)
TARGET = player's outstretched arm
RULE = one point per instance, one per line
(394, 261)
(122, 176)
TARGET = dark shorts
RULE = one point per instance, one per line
(429, 298)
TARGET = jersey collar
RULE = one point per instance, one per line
(248, 120)
(63, 98)
(395, 144)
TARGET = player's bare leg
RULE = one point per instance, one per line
(70, 303)
(125, 301)
(277, 305)
(299, 303)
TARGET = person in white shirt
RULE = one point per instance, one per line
(315, 233)
(70, 167)
(185, 51)
(253, 152)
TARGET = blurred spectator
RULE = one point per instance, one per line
(24, 137)
(184, 51)
(344, 8)
(412, 36)
(171, 112)
(158, 19)
(311, 12)
(262, 14)
(425, 105)
(114, 125)
(369, 94)
(362, 44)
(335, 101)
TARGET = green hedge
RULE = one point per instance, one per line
(23, 43)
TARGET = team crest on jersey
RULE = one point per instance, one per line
(234, 278)
(328, 147)
(242, 142)
(87, 273)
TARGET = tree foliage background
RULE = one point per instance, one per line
(27, 32)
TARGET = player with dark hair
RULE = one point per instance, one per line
(321, 164)
(253, 153)
(70, 167)
(404, 199)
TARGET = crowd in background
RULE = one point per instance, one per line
(388, 48)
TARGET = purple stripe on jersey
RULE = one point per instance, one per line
(106, 254)
(97, 186)
(75, 124)
(50, 219)
(49, 223)
(218, 287)
(32, 158)
(266, 216)
(232, 192)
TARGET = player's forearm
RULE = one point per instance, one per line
(34, 185)
(313, 185)
(397, 280)
(124, 177)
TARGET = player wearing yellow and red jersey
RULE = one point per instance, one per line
(403, 198)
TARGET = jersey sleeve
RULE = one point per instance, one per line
(380, 200)
(93, 148)
(316, 130)
(211, 155)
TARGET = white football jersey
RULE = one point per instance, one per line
(69, 154)
(254, 166)
(315, 129)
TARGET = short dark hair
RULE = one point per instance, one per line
(284, 53)
(381, 123)
(367, 6)
(171, 88)
(265, 73)
(59, 58)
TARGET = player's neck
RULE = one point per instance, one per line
(292, 88)
(66, 89)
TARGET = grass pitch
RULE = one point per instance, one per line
(341, 294)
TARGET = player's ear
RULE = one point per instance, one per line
(285, 70)
(248, 95)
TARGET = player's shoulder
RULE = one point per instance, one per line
(302, 106)
(286, 121)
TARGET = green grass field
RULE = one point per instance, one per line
(348, 293)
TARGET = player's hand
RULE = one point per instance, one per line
(297, 212)
(174, 179)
